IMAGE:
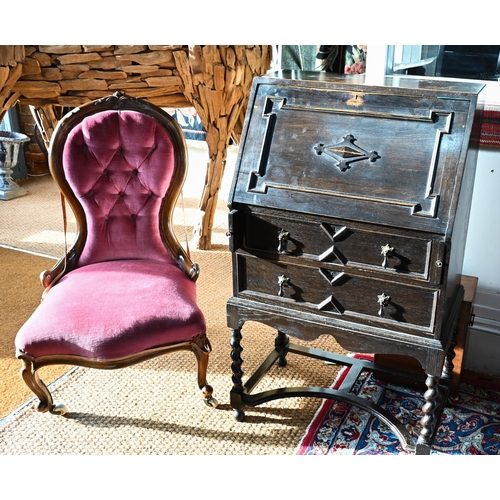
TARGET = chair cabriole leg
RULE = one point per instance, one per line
(30, 376)
(202, 350)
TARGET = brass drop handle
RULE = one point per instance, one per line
(383, 301)
(282, 240)
(282, 283)
(387, 251)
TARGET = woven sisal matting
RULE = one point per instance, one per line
(155, 407)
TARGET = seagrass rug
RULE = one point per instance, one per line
(155, 407)
(21, 292)
(470, 424)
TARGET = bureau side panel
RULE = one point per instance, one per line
(460, 218)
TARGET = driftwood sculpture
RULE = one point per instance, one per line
(214, 79)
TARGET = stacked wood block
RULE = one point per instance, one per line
(11, 67)
(71, 75)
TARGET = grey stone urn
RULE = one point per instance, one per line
(10, 142)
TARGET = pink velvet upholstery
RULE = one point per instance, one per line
(120, 178)
(127, 293)
(113, 309)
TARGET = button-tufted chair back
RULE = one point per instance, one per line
(120, 165)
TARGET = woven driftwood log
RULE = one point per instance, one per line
(217, 81)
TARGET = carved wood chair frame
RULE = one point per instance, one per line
(200, 345)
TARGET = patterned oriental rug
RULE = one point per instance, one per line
(490, 128)
(470, 424)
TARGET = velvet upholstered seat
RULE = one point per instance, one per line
(125, 291)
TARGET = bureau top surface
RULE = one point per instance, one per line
(393, 153)
(410, 85)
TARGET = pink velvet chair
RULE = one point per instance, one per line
(125, 291)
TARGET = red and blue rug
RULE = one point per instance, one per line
(490, 128)
(470, 424)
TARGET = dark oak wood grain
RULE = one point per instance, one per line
(349, 213)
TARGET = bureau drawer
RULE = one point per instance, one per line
(344, 243)
(360, 298)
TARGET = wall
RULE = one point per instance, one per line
(481, 260)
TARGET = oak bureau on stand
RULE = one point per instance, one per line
(348, 217)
